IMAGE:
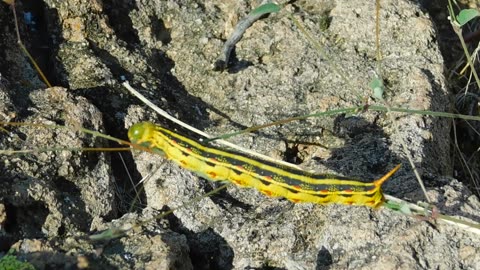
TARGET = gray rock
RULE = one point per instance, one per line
(167, 49)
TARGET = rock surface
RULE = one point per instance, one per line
(52, 200)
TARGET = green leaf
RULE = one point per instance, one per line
(265, 9)
(467, 15)
(10, 261)
(107, 235)
(377, 86)
(404, 208)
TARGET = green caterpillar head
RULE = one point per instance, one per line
(141, 133)
(144, 134)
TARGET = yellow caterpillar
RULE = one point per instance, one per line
(269, 178)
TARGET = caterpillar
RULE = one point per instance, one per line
(271, 179)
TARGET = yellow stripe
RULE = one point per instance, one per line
(258, 164)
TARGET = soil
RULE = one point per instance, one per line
(54, 199)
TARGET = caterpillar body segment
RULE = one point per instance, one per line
(269, 178)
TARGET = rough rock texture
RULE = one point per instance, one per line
(53, 199)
